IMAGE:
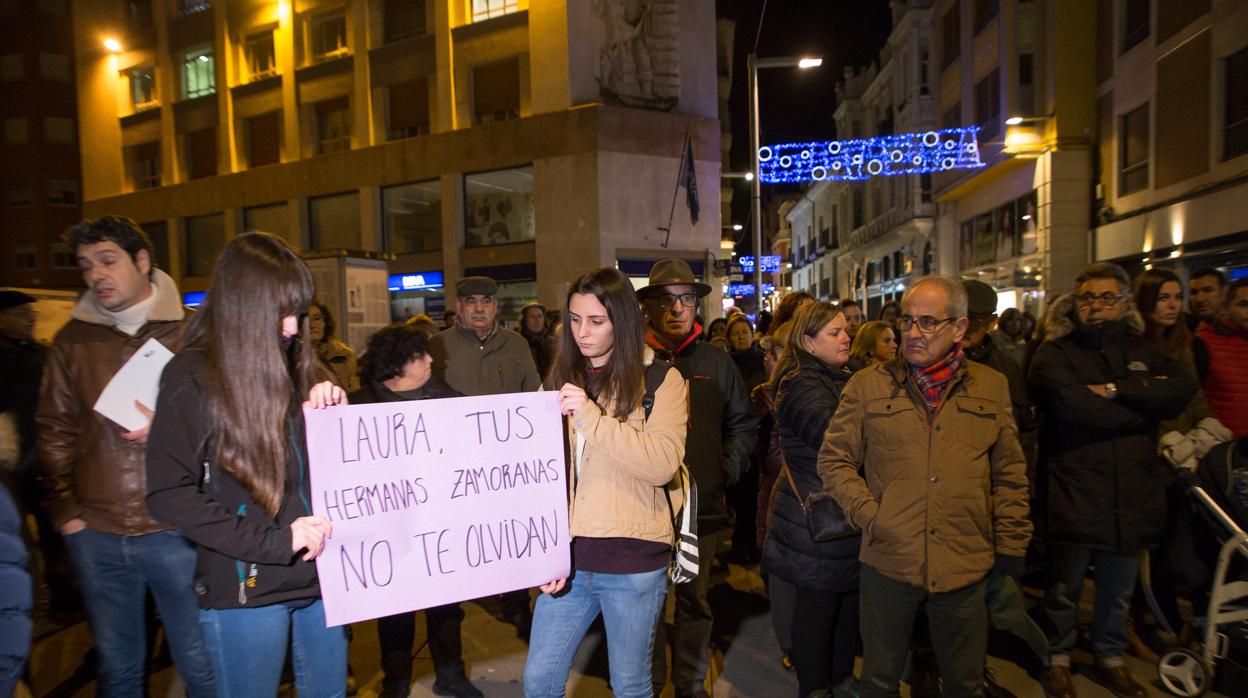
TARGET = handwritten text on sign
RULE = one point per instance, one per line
(437, 501)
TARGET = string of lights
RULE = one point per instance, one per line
(883, 156)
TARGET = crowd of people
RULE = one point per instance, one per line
(898, 480)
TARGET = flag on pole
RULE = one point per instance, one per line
(689, 180)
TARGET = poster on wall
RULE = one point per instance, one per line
(367, 302)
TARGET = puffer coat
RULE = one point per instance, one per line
(805, 402)
(1106, 486)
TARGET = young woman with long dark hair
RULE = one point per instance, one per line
(226, 464)
(621, 462)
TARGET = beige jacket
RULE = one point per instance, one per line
(626, 466)
(940, 496)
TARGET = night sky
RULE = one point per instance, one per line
(796, 104)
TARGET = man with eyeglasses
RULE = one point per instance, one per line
(923, 457)
(1103, 390)
(722, 431)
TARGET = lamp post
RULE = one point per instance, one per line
(753, 65)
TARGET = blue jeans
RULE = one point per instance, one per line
(115, 573)
(248, 649)
(630, 605)
(1115, 583)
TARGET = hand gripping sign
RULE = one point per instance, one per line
(437, 501)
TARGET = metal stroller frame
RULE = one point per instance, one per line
(1182, 671)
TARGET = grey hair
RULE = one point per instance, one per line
(1105, 270)
(953, 288)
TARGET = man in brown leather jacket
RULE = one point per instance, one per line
(94, 470)
(923, 456)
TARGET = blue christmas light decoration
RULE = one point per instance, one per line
(855, 160)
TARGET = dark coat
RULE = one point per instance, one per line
(1106, 486)
(750, 363)
(21, 370)
(16, 597)
(722, 424)
(376, 392)
(990, 355)
(243, 556)
(806, 400)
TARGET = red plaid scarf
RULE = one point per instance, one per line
(934, 379)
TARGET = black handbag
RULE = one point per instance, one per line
(825, 519)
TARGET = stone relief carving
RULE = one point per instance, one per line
(639, 52)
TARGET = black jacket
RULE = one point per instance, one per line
(21, 370)
(376, 392)
(987, 353)
(244, 557)
(1106, 486)
(722, 425)
(750, 363)
(805, 402)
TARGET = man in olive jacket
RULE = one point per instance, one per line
(923, 457)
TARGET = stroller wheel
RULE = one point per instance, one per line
(1184, 673)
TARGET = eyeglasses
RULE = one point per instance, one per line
(688, 300)
(927, 324)
(1105, 299)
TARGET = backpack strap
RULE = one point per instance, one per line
(656, 373)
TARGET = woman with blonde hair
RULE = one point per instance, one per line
(825, 573)
(875, 343)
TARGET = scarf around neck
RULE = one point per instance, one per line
(934, 379)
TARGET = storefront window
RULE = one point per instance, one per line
(499, 207)
(999, 235)
(413, 217)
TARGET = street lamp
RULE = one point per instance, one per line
(753, 65)
(112, 45)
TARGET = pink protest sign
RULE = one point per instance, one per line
(437, 501)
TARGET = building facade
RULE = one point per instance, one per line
(1172, 118)
(40, 187)
(525, 140)
(1021, 222)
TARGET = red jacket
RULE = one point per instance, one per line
(1226, 383)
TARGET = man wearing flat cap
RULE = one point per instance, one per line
(722, 431)
(473, 357)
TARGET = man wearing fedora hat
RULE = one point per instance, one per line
(722, 431)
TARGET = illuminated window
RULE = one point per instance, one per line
(261, 57)
(198, 74)
(499, 207)
(327, 36)
(413, 217)
(143, 88)
(489, 9)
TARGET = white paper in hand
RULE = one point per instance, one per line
(138, 379)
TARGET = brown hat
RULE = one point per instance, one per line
(980, 298)
(476, 286)
(671, 272)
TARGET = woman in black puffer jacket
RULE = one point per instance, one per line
(825, 624)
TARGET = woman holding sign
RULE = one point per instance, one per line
(226, 465)
(621, 463)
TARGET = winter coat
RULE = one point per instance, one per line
(16, 594)
(722, 424)
(372, 393)
(243, 556)
(90, 471)
(626, 465)
(340, 360)
(939, 495)
(500, 364)
(768, 455)
(1226, 382)
(21, 370)
(989, 354)
(750, 363)
(543, 346)
(1105, 485)
(806, 401)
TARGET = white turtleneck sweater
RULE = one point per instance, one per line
(134, 317)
